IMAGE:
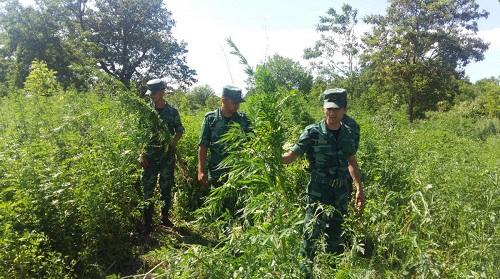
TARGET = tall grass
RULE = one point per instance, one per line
(70, 198)
(68, 182)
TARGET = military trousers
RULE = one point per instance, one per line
(162, 165)
(325, 210)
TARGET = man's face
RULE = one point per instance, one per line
(230, 105)
(159, 96)
(334, 115)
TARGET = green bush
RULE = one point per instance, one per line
(28, 255)
(69, 166)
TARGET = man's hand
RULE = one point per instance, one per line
(202, 178)
(288, 157)
(359, 200)
(143, 161)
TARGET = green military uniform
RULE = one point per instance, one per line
(214, 126)
(161, 161)
(327, 152)
(354, 127)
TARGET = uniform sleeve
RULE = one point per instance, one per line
(205, 133)
(179, 129)
(351, 145)
(354, 129)
(303, 144)
(356, 139)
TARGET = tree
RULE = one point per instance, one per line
(201, 96)
(289, 74)
(30, 34)
(276, 72)
(129, 39)
(281, 72)
(41, 81)
(420, 47)
(337, 51)
(135, 41)
(488, 92)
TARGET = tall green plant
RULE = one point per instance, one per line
(41, 80)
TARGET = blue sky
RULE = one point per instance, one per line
(262, 28)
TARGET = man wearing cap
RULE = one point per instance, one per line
(330, 147)
(159, 157)
(216, 124)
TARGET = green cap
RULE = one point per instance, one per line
(154, 86)
(335, 98)
(232, 92)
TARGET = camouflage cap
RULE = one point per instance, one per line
(232, 92)
(154, 86)
(335, 98)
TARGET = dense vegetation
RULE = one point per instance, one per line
(70, 134)
(71, 202)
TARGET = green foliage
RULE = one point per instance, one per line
(188, 195)
(264, 81)
(129, 40)
(70, 194)
(203, 96)
(337, 51)
(28, 255)
(69, 181)
(415, 176)
(135, 41)
(489, 96)
(243, 61)
(29, 34)
(288, 74)
(281, 73)
(277, 72)
(41, 81)
(419, 48)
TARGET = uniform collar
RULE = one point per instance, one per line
(324, 129)
(166, 106)
(220, 115)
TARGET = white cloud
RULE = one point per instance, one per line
(208, 49)
(491, 36)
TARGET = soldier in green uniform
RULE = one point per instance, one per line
(330, 147)
(216, 124)
(159, 157)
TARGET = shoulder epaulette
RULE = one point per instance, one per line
(314, 126)
(351, 124)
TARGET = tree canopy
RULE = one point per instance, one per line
(130, 40)
(337, 51)
(135, 41)
(419, 48)
(286, 73)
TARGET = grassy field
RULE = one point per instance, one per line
(70, 198)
